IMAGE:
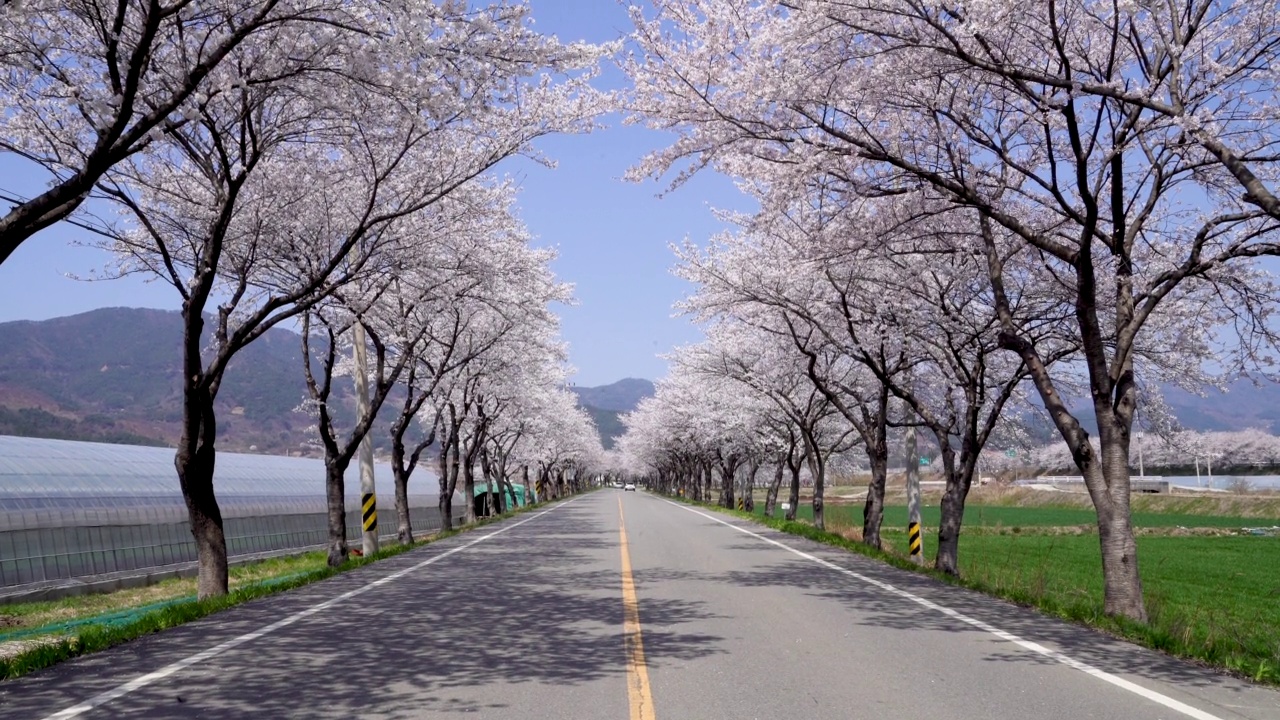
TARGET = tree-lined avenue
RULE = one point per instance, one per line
(525, 620)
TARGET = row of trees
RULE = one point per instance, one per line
(957, 206)
(323, 163)
(1183, 450)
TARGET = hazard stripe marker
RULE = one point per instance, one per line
(369, 502)
(913, 531)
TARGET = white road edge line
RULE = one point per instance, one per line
(1035, 647)
(164, 672)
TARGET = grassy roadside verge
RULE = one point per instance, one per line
(1212, 600)
(125, 622)
(42, 617)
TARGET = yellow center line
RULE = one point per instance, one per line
(637, 672)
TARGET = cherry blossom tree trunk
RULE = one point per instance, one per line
(448, 480)
(953, 500)
(793, 497)
(508, 495)
(197, 454)
(818, 469)
(194, 462)
(468, 493)
(1105, 471)
(749, 487)
(873, 509)
(491, 502)
(875, 436)
(503, 485)
(548, 490)
(728, 472)
(335, 471)
(530, 498)
(1109, 486)
(771, 497)
(404, 523)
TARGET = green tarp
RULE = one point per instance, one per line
(518, 500)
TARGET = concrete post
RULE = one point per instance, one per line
(913, 497)
(368, 490)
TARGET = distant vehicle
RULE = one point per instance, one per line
(629, 486)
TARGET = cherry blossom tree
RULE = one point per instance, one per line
(414, 319)
(759, 280)
(1120, 201)
(285, 188)
(781, 394)
(511, 340)
(86, 84)
(484, 267)
(899, 300)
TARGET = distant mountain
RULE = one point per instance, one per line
(622, 396)
(114, 375)
(608, 424)
(606, 403)
(1242, 406)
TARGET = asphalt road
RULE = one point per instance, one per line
(623, 605)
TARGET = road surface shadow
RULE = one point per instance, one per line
(879, 608)
(541, 604)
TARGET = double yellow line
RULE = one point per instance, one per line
(638, 693)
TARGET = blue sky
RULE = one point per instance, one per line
(612, 236)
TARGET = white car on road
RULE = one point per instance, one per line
(629, 486)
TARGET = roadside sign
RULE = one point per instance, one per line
(1011, 453)
(924, 462)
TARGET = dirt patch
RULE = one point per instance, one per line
(854, 534)
(14, 648)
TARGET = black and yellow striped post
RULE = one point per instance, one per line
(913, 532)
(742, 504)
(369, 515)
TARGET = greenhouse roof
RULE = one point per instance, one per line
(62, 468)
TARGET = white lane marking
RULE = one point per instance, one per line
(1035, 647)
(164, 672)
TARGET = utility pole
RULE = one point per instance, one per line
(913, 495)
(368, 491)
(1141, 472)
